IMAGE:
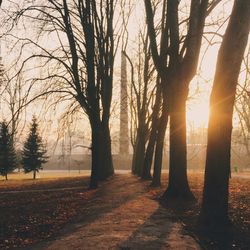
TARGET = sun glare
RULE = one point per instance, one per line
(197, 114)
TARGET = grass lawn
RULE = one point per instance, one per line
(33, 211)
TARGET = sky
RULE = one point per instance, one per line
(200, 87)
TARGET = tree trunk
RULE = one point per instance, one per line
(178, 67)
(133, 159)
(139, 151)
(96, 155)
(146, 172)
(178, 187)
(215, 194)
(102, 164)
(6, 177)
(156, 182)
(106, 169)
(34, 174)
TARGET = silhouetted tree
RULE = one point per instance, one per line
(34, 151)
(242, 107)
(142, 91)
(7, 151)
(159, 116)
(215, 194)
(80, 65)
(176, 63)
(150, 149)
(160, 137)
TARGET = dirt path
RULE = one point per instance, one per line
(123, 215)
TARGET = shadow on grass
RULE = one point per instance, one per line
(219, 237)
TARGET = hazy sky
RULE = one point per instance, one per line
(197, 107)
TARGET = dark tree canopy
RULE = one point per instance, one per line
(34, 151)
(7, 151)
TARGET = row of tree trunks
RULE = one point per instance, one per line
(148, 159)
(142, 104)
(173, 70)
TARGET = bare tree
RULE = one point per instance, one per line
(159, 120)
(13, 99)
(79, 66)
(176, 63)
(149, 153)
(215, 194)
(142, 91)
(242, 107)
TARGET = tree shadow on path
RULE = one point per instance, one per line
(209, 236)
(115, 192)
(162, 230)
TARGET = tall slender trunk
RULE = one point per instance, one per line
(133, 159)
(146, 172)
(6, 177)
(159, 146)
(34, 174)
(214, 208)
(178, 187)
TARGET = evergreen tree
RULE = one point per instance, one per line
(7, 151)
(34, 151)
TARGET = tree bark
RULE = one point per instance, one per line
(102, 164)
(34, 174)
(146, 172)
(215, 193)
(178, 187)
(156, 182)
(139, 151)
(106, 166)
(95, 155)
(148, 159)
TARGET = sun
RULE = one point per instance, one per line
(198, 114)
